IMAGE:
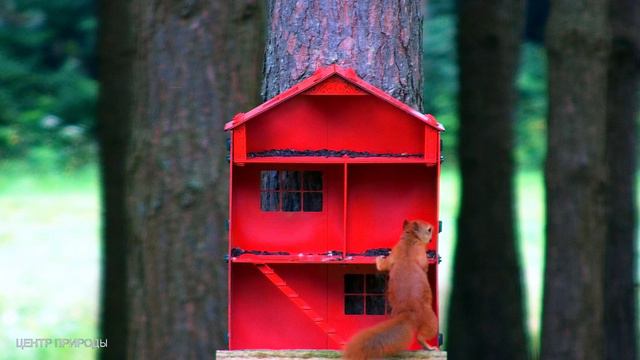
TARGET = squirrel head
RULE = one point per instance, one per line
(418, 229)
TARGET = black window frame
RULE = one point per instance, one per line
(276, 195)
(359, 295)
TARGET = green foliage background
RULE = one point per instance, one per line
(47, 82)
(441, 86)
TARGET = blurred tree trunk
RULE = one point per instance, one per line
(380, 39)
(486, 314)
(198, 63)
(537, 14)
(577, 48)
(116, 52)
(620, 313)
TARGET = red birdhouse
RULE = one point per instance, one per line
(321, 178)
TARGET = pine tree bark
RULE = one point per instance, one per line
(116, 51)
(620, 312)
(486, 315)
(577, 48)
(198, 63)
(380, 39)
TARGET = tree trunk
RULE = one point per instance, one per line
(380, 39)
(620, 313)
(486, 316)
(198, 63)
(116, 53)
(577, 47)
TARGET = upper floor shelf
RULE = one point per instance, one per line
(325, 156)
(321, 160)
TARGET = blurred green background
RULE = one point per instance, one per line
(49, 184)
(49, 190)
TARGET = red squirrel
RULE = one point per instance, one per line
(409, 295)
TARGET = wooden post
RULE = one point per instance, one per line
(317, 354)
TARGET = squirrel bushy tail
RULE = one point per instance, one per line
(386, 338)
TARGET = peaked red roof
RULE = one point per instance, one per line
(323, 74)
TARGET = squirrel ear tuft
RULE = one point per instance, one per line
(405, 223)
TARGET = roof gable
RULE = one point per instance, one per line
(332, 80)
(334, 85)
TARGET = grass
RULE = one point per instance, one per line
(49, 254)
(49, 260)
(531, 219)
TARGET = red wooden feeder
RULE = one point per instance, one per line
(321, 178)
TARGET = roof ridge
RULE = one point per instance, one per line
(322, 74)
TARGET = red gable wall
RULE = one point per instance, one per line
(358, 123)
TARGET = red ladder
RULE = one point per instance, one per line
(295, 298)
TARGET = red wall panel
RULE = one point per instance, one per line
(381, 197)
(264, 318)
(315, 232)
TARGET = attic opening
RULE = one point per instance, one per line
(291, 190)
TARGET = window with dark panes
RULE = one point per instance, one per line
(364, 294)
(291, 190)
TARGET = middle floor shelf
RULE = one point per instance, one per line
(332, 257)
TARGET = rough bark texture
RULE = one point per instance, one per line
(486, 314)
(116, 54)
(577, 48)
(620, 313)
(198, 63)
(380, 39)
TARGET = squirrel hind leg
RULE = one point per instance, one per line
(425, 332)
(425, 345)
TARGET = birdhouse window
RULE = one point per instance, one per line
(364, 294)
(291, 190)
